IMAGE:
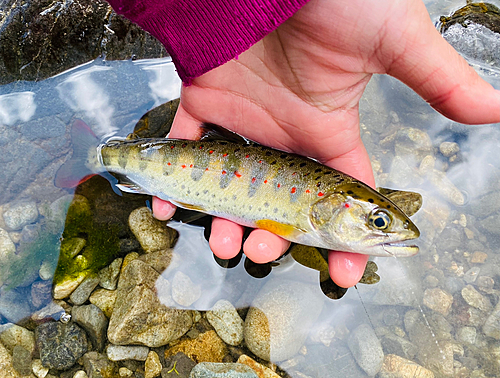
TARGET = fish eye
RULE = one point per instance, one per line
(379, 220)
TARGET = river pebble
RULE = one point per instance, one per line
(475, 299)
(226, 321)
(13, 335)
(38, 369)
(125, 352)
(184, 291)
(178, 365)
(18, 214)
(152, 234)
(471, 275)
(6, 368)
(261, 370)
(397, 367)
(366, 349)
(80, 374)
(108, 276)
(222, 370)
(63, 289)
(123, 372)
(97, 365)
(438, 300)
(21, 360)
(80, 295)
(104, 299)
(14, 305)
(60, 345)
(207, 347)
(92, 320)
(152, 367)
(41, 293)
(7, 247)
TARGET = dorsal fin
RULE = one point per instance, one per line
(210, 131)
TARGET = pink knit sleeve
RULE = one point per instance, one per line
(203, 34)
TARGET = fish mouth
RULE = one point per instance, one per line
(397, 249)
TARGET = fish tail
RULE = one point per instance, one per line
(84, 163)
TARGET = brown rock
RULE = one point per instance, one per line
(261, 370)
(398, 367)
(478, 257)
(207, 347)
(438, 300)
(151, 233)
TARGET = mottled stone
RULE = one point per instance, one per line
(159, 260)
(138, 316)
(21, 360)
(178, 366)
(261, 370)
(220, 370)
(12, 335)
(98, 366)
(438, 300)
(41, 293)
(92, 320)
(104, 299)
(366, 349)
(151, 233)
(7, 247)
(478, 257)
(449, 149)
(398, 367)
(184, 291)
(467, 335)
(152, 367)
(207, 347)
(120, 353)
(125, 373)
(476, 299)
(80, 295)
(108, 276)
(19, 214)
(286, 310)
(226, 321)
(60, 345)
(80, 374)
(65, 288)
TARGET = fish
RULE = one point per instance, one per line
(228, 176)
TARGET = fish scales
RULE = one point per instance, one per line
(224, 178)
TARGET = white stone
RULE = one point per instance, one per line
(38, 369)
(120, 353)
(184, 291)
(226, 321)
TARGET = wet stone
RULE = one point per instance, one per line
(120, 353)
(222, 370)
(14, 305)
(438, 300)
(486, 284)
(129, 245)
(397, 367)
(125, 373)
(6, 368)
(207, 347)
(226, 321)
(60, 345)
(467, 335)
(184, 291)
(261, 370)
(38, 369)
(491, 326)
(449, 148)
(63, 289)
(7, 247)
(104, 299)
(21, 360)
(80, 374)
(478, 257)
(41, 293)
(83, 291)
(152, 367)
(178, 366)
(19, 214)
(108, 277)
(393, 344)
(366, 349)
(476, 299)
(98, 366)
(92, 320)
(12, 335)
(471, 275)
(152, 234)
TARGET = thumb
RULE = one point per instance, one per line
(431, 67)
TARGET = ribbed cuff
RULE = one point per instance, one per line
(203, 34)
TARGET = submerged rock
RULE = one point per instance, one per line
(219, 370)
(397, 367)
(151, 233)
(92, 320)
(13, 335)
(366, 349)
(226, 321)
(19, 214)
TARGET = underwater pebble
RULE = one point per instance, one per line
(7, 247)
(19, 214)
(80, 374)
(52, 310)
(206, 347)
(108, 276)
(125, 373)
(92, 320)
(438, 300)
(398, 367)
(396, 344)
(445, 187)
(222, 370)
(285, 309)
(123, 352)
(60, 345)
(471, 275)
(47, 270)
(13, 335)
(104, 299)
(226, 321)
(449, 148)
(41, 293)
(467, 335)
(83, 291)
(476, 299)
(21, 360)
(152, 367)
(8, 370)
(478, 257)
(366, 349)
(14, 305)
(491, 327)
(63, 289)
(486, 284)
(97, 365)
(38, 369)
(152, 234)
(261, 370)
(184, 291)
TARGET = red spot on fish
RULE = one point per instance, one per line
(308, 191)
(224, 172)
(321, 194)
(184, 145)
(260, 161)
(279, 185)
(237, 174)
(169, 163)
(172, 147)
(183, 166)
(191, 166)
(200, 147)
(253, 179)
(294, 173)
(294, 189)
(265, 181)
(224, 155)
(346, 205)
(206, 169)
(247, 156)
(211, 151)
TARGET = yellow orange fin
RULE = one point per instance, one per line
(189, 206)
(281, 229)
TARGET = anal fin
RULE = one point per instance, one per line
(281, 229)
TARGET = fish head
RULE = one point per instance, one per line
(356, 218)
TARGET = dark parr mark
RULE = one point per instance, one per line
(302, 165)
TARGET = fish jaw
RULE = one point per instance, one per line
(392, 250)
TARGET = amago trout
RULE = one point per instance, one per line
(227, 176)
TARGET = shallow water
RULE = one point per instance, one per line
(459, 222)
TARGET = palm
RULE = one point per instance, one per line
(298, 89)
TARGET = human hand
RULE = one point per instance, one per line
(298, 90)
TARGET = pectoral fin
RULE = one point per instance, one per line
(285, 230)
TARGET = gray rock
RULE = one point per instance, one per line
(467, 335)
(108, 276)
(476, 299)
(14, 305)
(41, 293)
(184, 291)
(491, 327)
(366, 349)
(222, 370)
(486, 284)
(21, 360)
(471, 275)
(138, 316)
(98, 366)
(19, 214)
(286, 310)
(449, 148)
(438, 300)
(226, 321)
(82, 292)
(120, 352)
(393, 344)
(60, 345)
(414, 143)
(92, 320)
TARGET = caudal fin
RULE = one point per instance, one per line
(79, 168)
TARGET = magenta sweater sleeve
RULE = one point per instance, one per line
(203, 34)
